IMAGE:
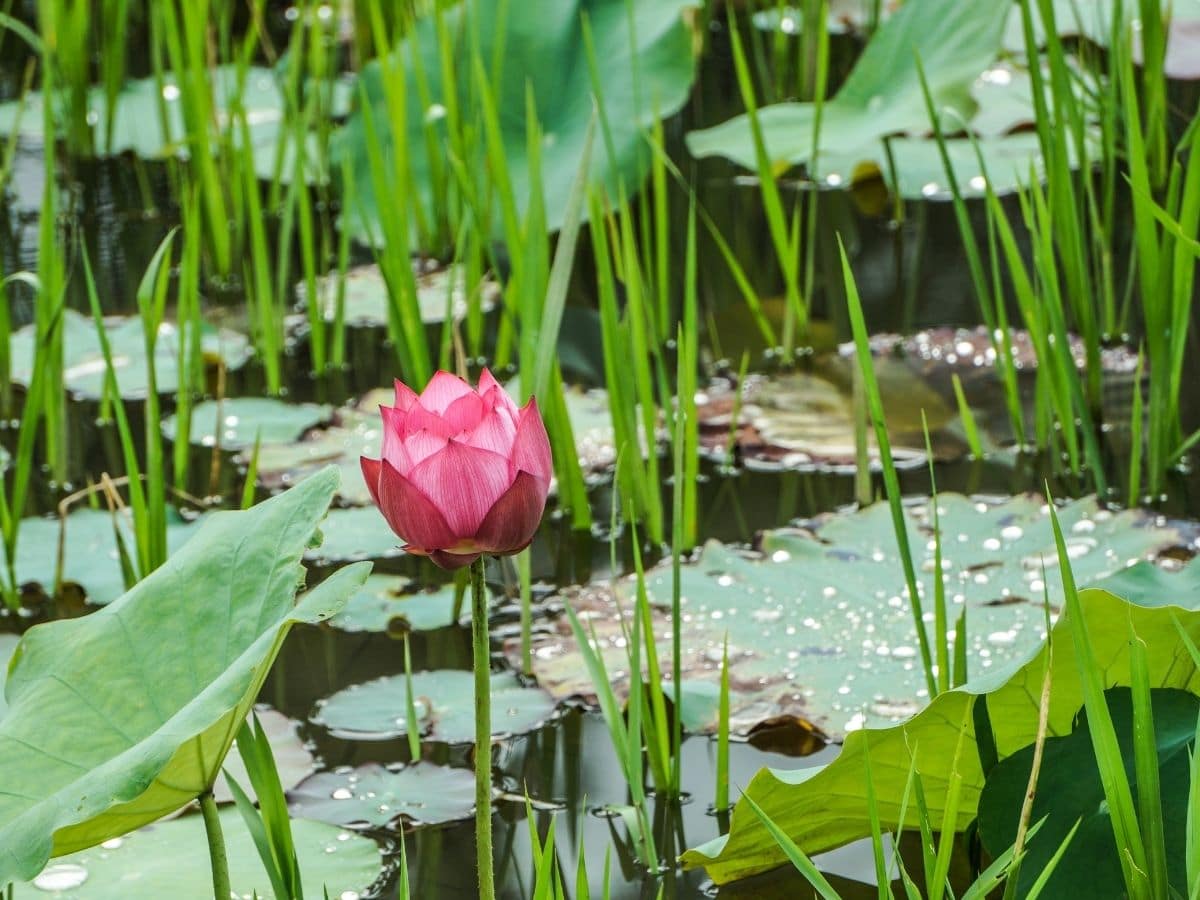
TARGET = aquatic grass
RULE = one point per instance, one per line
(891, 480)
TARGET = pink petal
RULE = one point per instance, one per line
(420, 419)
(393, 438)
(452, 561)
(463, 482)
(531, 446)
(512, 521)
(423, 444)
(405, 396)
(464, 413)
(370, 473)
(411, 514)
(442, 390)
(495, 433)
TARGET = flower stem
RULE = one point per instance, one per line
(481, 654)
(216, 847)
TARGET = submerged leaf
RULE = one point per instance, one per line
(85, 758)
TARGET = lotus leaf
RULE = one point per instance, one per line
(243, 419)
(85, 758)
(419, 794)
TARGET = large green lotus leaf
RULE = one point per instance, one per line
(445, 704)
(243, 419)
(138, 129)
(646, 55)
(1069, 791)
(90, 555)
(366, 299)
(826, 806)
(818, 622)
(373, 796)
(83, 359)
(393, 603)
(882, 96)
(125, 715)
(8, 644)
(170, 859)
(1149, 585)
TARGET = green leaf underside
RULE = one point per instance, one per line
(645, 75)
(373, 796)
(882, 96)
(819, 626)
(444, 699)
(125, 715)
(825, 807)
(170, 859)
(83, 359)
(1070, 791)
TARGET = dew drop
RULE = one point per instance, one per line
(61, 877)
(342, 794)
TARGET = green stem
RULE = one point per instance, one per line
(481, 654)
(216, 847)
(525, 575)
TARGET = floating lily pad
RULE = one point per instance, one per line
(367, 298)
(806, 419)
(1070, 793)
(646, 53)
(242, 419)
(419, 794)
(389, 602)
(170, 859)
(827, 806)
(818, 622)
(8, 643)
(354, 534)
(138, 121)
(90, 557)
(83, 360)
(293, 760)
(374, 710)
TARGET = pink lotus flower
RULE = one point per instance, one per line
(464, 472)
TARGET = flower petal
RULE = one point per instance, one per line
(463, 482)
(442, 390)
(512, 521)
(531, 446)
(411, 514)
(495, 432)
(464, 413)
(422, 444)
(420, 419)
(452, 561)
(405, 396)
(393, 438)
(487, 382)
(370, 472)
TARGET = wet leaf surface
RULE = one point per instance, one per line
(393, 603)
(235, 422)
(826, 806)
(818, 621)
(1070, 791)
(374, 796)
(374, 710)
(170, 859)
(83, 361)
